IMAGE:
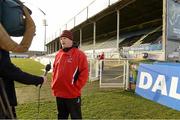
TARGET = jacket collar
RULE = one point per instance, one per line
(69, 52)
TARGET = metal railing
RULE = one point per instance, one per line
(93, 69)
(111, 73)
(114, 73)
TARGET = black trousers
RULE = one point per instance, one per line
(66, 107)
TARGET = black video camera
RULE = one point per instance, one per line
(12, 17)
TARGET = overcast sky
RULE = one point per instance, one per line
(58, 12)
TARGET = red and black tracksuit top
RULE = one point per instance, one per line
(70, 73)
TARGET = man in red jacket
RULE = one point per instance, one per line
(70, 73)
(101, 57)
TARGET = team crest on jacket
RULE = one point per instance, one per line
(69, 60)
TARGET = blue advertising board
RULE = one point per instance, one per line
(160, 83)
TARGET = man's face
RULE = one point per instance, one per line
(66, 42)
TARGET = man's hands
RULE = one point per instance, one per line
(45, 79)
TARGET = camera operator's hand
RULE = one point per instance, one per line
(8, 44)
(30, 25)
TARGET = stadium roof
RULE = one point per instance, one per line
(134, 14)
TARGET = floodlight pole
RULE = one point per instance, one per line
(44, 24)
